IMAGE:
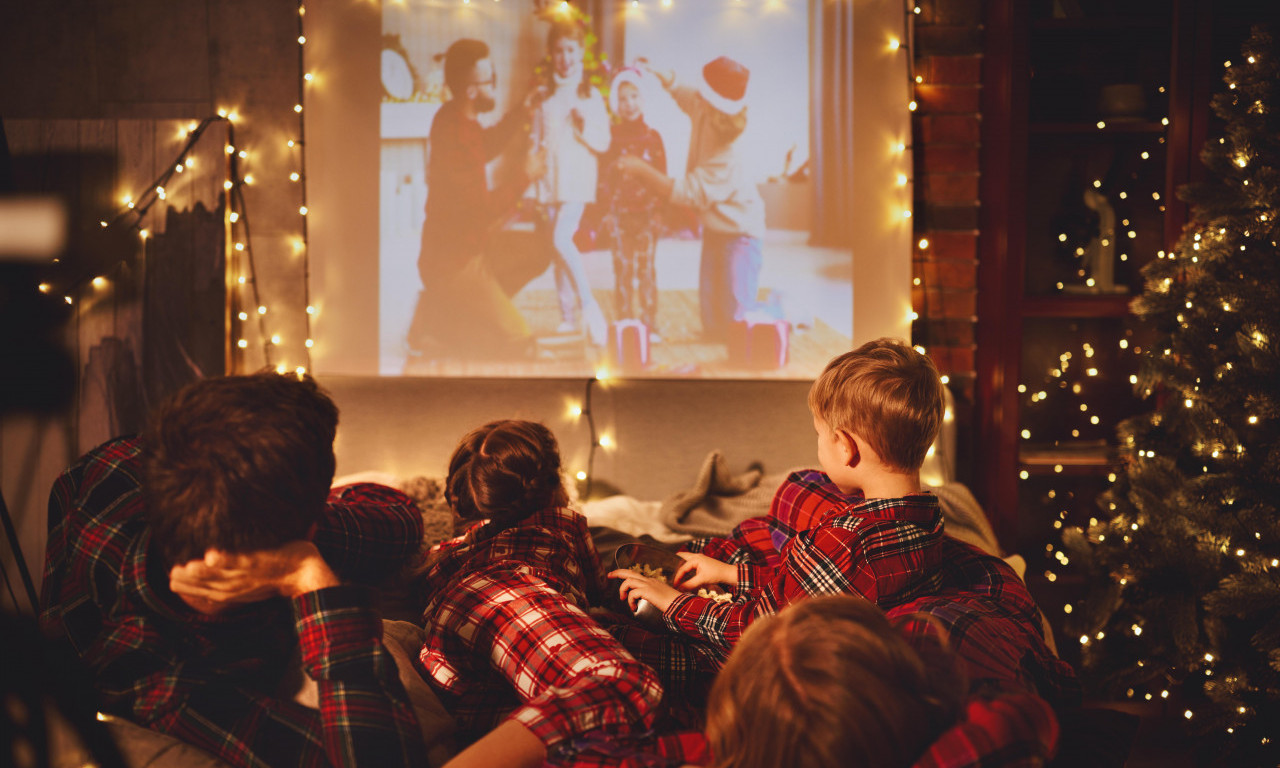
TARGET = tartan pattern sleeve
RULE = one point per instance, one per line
(212, 681)
(364, 710)
(1011, 731)
(367, 531)
(647, 750)
(800, 503)
(992, 626)
(503, 630)
(883, 550)
(95, 508)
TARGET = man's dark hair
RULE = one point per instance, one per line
(238, 463)
(459, 61)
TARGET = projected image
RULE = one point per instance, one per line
(566, 188)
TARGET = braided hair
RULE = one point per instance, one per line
(505, 471)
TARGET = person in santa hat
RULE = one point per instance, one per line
(716, 184)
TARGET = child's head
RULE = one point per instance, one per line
(829, 682)
(888, 394)
(625, 98)
(566, 44)
(504, 472)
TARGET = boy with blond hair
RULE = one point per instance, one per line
(863, 526)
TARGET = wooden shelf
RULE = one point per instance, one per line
(1100, 24)
(1083, 305)
(1111, 126)
(1085, 457)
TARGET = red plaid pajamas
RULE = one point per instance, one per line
(508, 636)
(213, 681)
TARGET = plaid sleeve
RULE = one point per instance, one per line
(94, 507)
(649, 750)
(876, 559)
(804, 498)
(800, 503)
(365, 717)
(1015, 731)
(570, 675)
(367, 531)
(364, 711)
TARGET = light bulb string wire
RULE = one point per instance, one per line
(301, 144)
(236, 202)
(595, 441)
(140, 207)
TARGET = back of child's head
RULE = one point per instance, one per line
(830, 683)
(504, 472)
(888, 394)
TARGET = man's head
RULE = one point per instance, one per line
(468, 71)
(828, 681)
(724, 88)
(238, 463)
(886, 393)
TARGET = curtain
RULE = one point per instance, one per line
(831, 120)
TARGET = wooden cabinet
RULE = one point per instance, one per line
(1093, 115)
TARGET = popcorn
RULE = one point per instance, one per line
(645, 569)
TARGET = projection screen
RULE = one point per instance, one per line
(476, 208)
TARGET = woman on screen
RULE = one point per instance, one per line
(571, 128)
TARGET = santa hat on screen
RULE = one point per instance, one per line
(625, 75)
(724, 85)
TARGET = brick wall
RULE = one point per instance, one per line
(946, 127)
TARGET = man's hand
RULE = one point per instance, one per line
(629, 164)
(222, 580)
(635, 587)
(699, 571)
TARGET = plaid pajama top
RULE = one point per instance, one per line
(882, 549)
(508, 636)
(212, 681)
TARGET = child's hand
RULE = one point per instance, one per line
(666, 78)
(535, 96)
(699, 571)
(635, 587)
(535, 164)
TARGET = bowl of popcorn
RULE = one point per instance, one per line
(657, 563)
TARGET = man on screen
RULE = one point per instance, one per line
(462, 307)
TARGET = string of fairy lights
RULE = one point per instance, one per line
(251, 313)
(1056, 378)
(249, 310)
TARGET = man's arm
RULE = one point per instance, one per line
(364, 714)
(368, 531)
(95, 508)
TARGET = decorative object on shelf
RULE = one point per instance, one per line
(1185, 567)
(1122, 101)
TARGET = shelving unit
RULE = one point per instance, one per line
(1089, 129)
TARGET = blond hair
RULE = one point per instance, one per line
(829, 682)
(888, 394)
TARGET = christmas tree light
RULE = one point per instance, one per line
(1181, 571)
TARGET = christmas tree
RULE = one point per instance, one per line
(1185, 602)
